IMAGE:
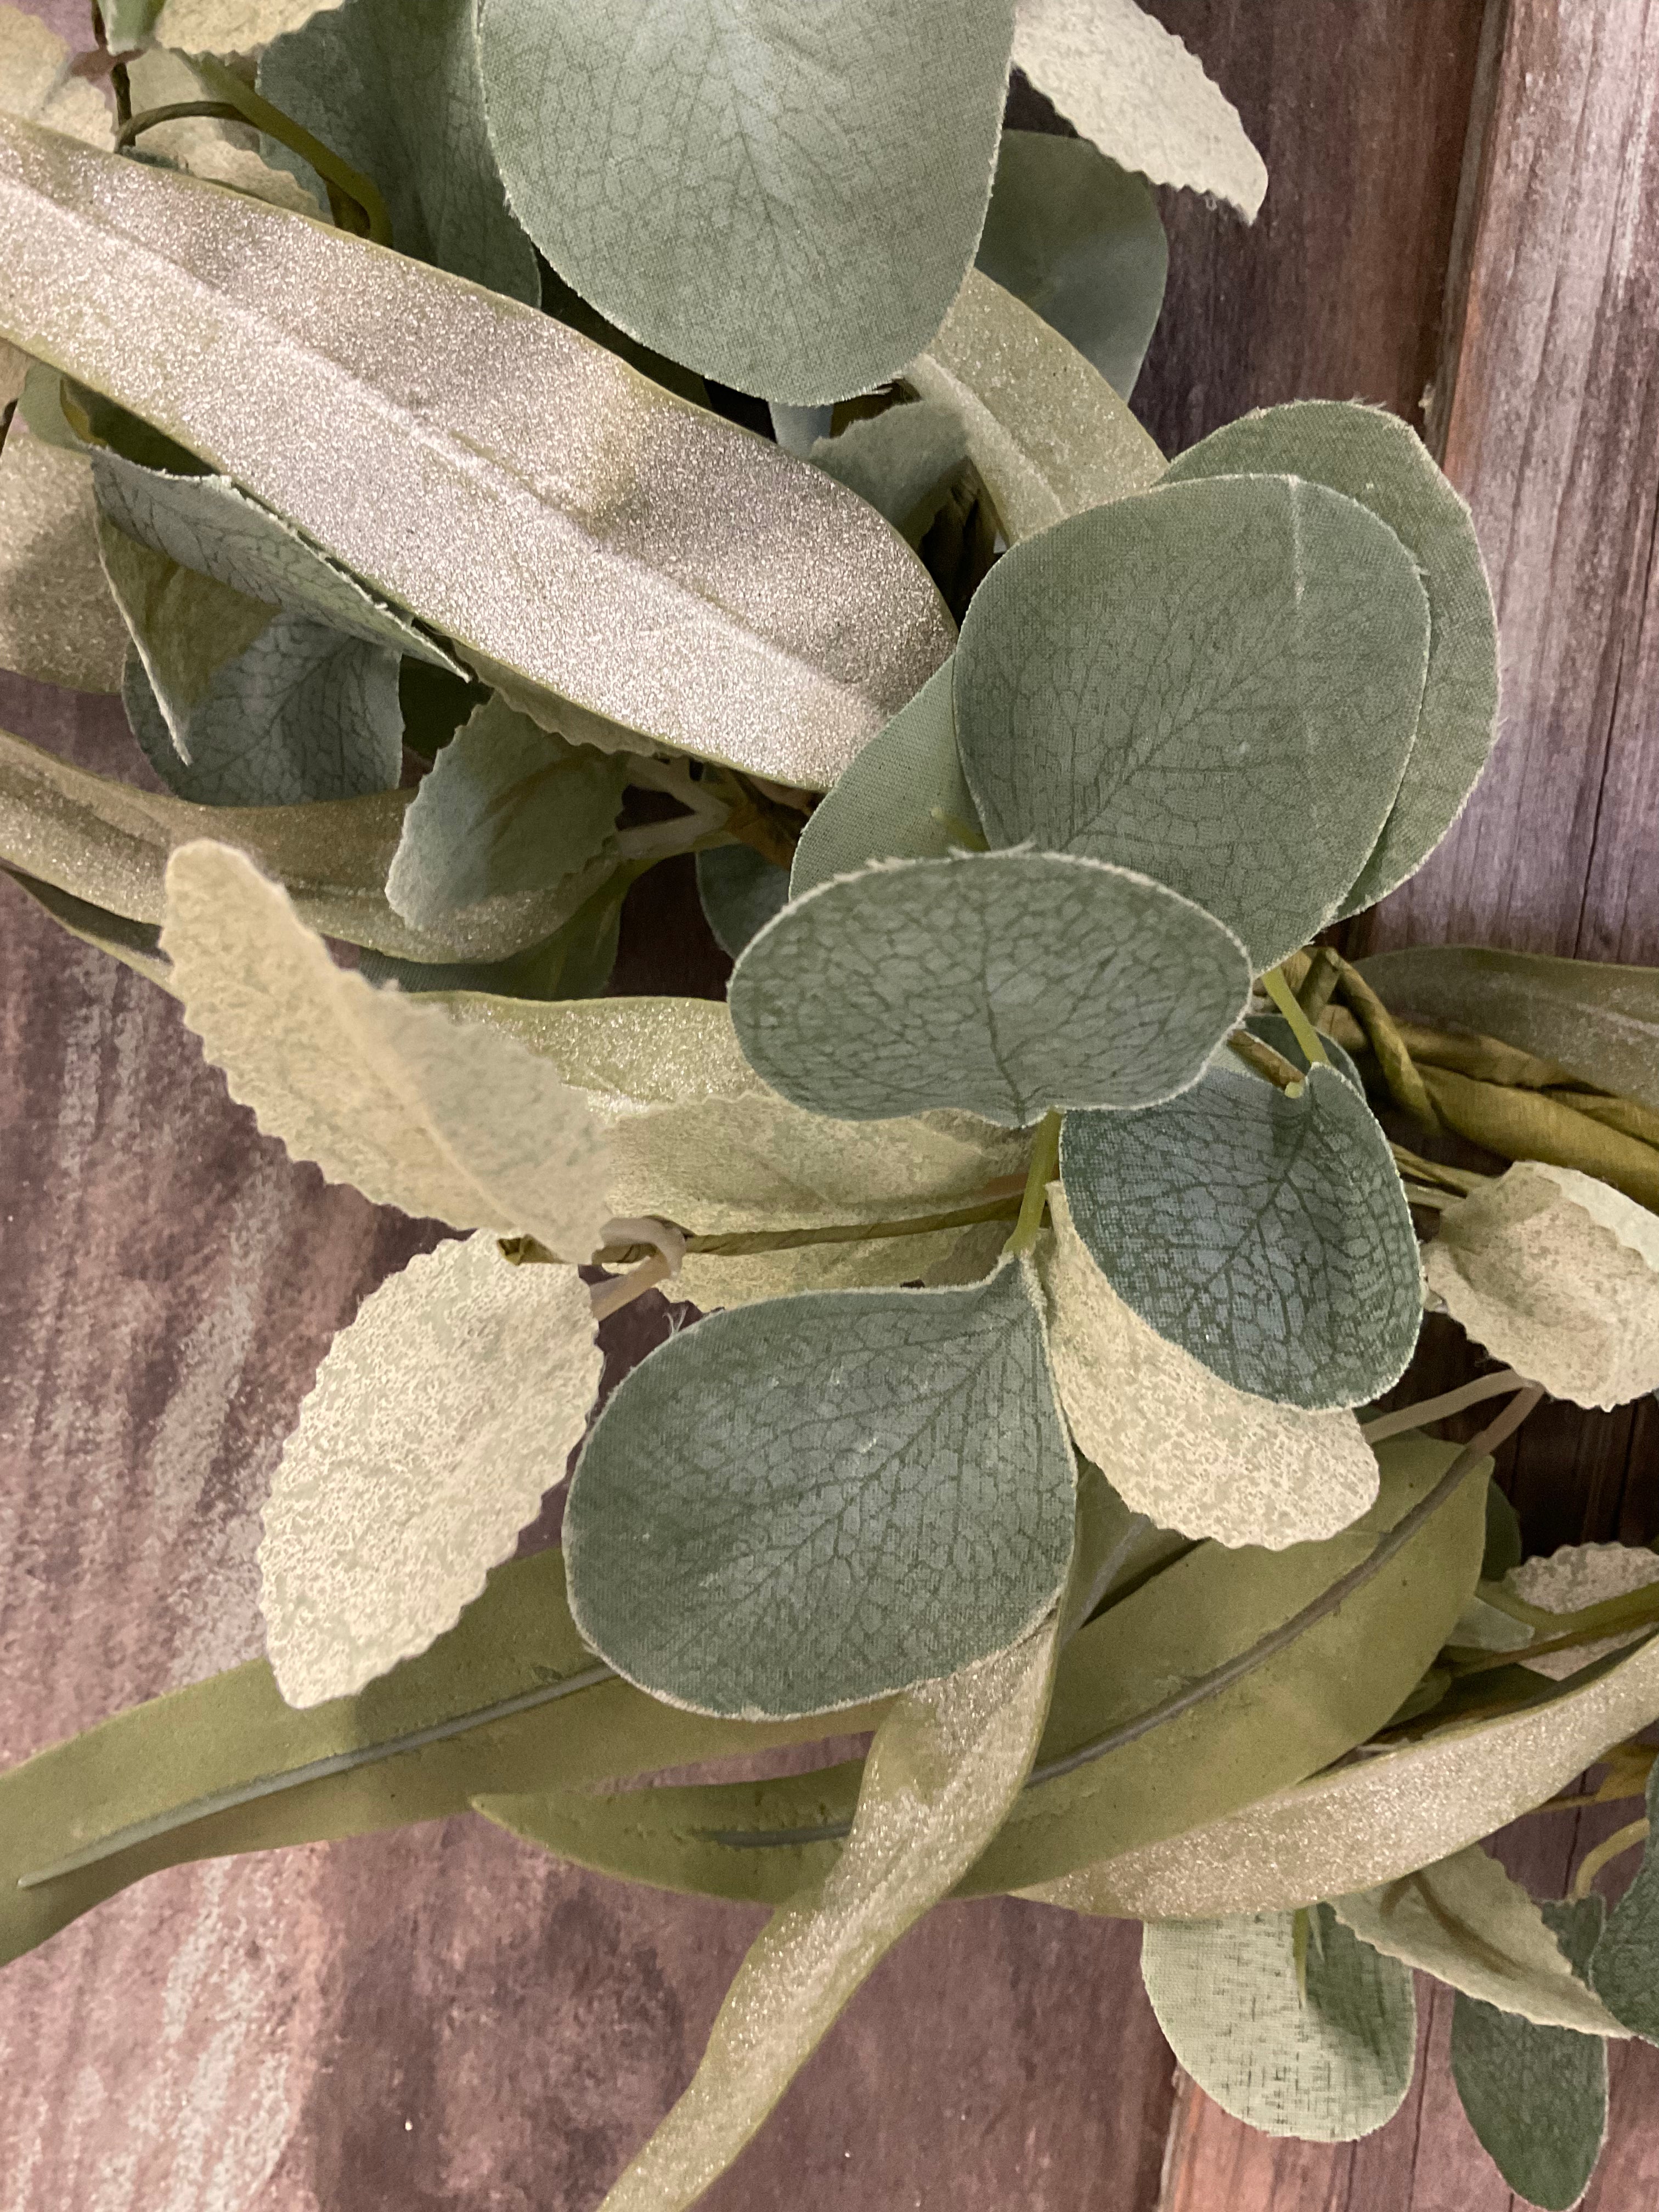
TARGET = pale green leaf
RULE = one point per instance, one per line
(901, 461)
(805, 1503)
(1079, 241)
(391, 1096)
(511, 832)
(1483, 1627)
(701, 589)
(785, 200)
(1180, 1444)
(1047, 433)
(439, 1416)
(946, 1765)
(57, 625)
(206, 148)
(903, 798)
(186, 627)
(1463, 1920)
(1374, 459)
(1282, 1257)
(1113, 70)
(395, 91)
(35, 81)
(1536, 2098)
(1217, 683)
(1006, 983)
(1328, 2064)
(1600, 1021)
(1624, 1970)
(741, 890)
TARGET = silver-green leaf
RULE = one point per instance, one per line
(741, 890)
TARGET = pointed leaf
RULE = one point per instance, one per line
(57, 622)
(1536, 2097)
(963, 982)
(805, 1503)
(740, 891)
(439, 1416)
(1624, 1970)
(393, 1097)
(136, 945)
(1170, 682)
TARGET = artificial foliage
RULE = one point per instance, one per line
(493, 449)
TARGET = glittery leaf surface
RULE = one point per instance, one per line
(1557, 1276)
(1003, 983)
(1536, 2098)
(57, 622)
(1624, 1967)
(741, 890)
(396, 92)
(1079, 241)
(1047, 433)
(784, 199)
(1282, 1257)
(1328, 2062)
(649, 565)
(393, 1097)
(1113, 70)
(1169, 681)
(511, 831)
(801, 1504)
(1374, 459)
(438, 1418)
(1181, 1445)
(946, 1765)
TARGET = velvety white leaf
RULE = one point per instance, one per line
(35, 81)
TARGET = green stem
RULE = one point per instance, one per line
(1276, 984)
(1045, 1159)
(349, 184)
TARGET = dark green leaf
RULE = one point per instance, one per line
(740, 891)
(1624, 1970)
(1536, 2097)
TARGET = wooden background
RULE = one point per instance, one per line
(1463, 226)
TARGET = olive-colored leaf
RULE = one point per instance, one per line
(1463, 1920)
(57, 622)
(509, 834)
(438, 1418)
(702, 589)
(946, 1763)
(1327, 2055)
(1624, 1968)
(1373, 457)
(809, 1502)
(1047, 433)
(35, 81)
(393, 1097)
(1170, 682)
(396, 92)
(785, 201)
(1284, 1258)
(1536, 2098)
(938, 1258)
(136, 945)
(741, 890)
(901, 461)
(1557, 1276)
(1113, 70)
(205, 147)
(1572, 1578)
(904, 797)
(1079, 241)
(1181, 1445)
(1003, 982)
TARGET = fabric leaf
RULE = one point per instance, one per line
(1573, 1578)
(1557, 1276)
(1536, 2098)
(964, 982)
(1624, 1969)
(57, 625)
(1169, 681)
(805, 1504)
(415, 1110)
(901, 461)
(35, 81)
(785, 201)
(1327, 2066)
(741, 890)
(223, 26)
(439, 1416)
(214, 149)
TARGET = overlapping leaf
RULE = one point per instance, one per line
(785, 201)
(903, 798)
(901, 461)
(699, 588)
(1622, 1970)
(1006, 983)
(35, 81)
(217, 149)
(438, 1418)
(741, 890)
(57, 623)
(1217, 683)
(231, 26)
(1570, 1579)
(804, 1504)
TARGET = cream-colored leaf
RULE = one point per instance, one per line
(57, 622)
(1133, 87)
(35, 81)
(611, 543)
(1177, 1442)
(936, 1258)
(1376, 1819)
(1557, 1276)
(204, 147)
(232, 26)
(1465, 1922)
(946, 1764)
(1573, 1578)
(439, 1417)
(380, 1092)
(1046, 431)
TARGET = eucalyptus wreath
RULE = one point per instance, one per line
(494, 450)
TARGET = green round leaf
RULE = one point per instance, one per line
(800, 1504)
(741, 890)
(1216, 683)
(1374, 459)
(1536, 2097)
(1078, 240)
(785, 199)
(1267, 1235)
(1003, 982)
